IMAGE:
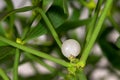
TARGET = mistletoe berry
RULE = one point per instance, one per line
(70, 48)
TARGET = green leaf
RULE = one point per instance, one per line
(93, 59)
(24, 9)
(76, 11)
(2, 31)
(65, 7)
(72, 25)
(11, 18)
(112, 53)
(27, 26)
(6, 57)
(3, 44)
(118, 42)
(62, 4)
(36, 31)
(5, 51)
(47, 4)
(57, 16)
(35, 2)
(110, 50)
(75, 14)
(9, 4)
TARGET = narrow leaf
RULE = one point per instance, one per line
(24, 9)
(72, 25)
(3, 44)
(9, 4)
(118, 42)
(5, 51)
(57, 16)
(2, 31)
(36, 31)
(62, 4)
(47, 4)
(93, 59)
(110, 50)
(75, 14)
(112, 53)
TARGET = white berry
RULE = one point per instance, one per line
(70, 48)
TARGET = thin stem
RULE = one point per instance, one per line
(3, 75)
(16, 63)
(95, 34)
(51, 28)
(91, 25)
(35, 52)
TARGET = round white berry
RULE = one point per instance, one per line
(70, 48)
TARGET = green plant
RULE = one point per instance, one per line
(53, 19)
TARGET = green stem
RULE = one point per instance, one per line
(35, 52)
(95, 34)
(81, 75)
(51, 28)
(91, 25)
(16, 63)
(3, 75)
